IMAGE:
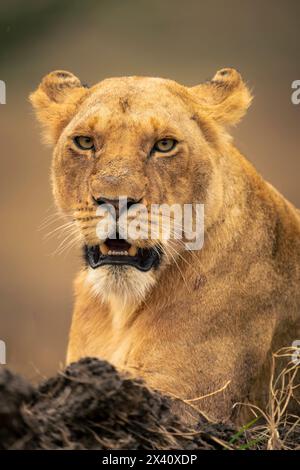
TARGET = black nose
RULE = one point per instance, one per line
(115, 202)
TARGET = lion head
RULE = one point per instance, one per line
(150, 141)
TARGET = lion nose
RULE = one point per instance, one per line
(118, 204)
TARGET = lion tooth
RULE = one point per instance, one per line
(117, 253)
(104, 249)
(132, 250)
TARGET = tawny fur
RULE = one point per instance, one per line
(213, 315)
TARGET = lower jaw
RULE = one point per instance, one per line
(145, 259)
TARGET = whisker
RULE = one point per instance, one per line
(174, 259)
(51, 219)
(64, 227)
(70, 244)
(72, 234)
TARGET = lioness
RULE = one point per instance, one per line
(190, 322)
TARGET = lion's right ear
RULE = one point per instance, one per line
(56, 101)
(225, 98)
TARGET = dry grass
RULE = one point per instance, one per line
(280, 429)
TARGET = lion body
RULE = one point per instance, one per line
(205, 325)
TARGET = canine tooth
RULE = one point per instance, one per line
(109, 252)
(125, 253)
(132, 250)
(104, 249)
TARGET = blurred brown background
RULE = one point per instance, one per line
(186, 41)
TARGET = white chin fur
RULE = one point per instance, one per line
(123, 287)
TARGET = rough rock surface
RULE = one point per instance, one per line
(91, 406)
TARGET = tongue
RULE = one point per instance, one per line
(117, 244)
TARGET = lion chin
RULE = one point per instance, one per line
(122, 287)
(121, 274)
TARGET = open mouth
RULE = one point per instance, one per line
(118, 252)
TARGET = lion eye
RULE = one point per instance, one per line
(84, 142)
(164, 145)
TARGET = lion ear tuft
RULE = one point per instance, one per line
(55, 102)
(58, 84)
(225, 98)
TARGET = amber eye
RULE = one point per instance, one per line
(84, 142)
(164, 145)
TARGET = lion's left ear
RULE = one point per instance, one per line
(225, 98)
(56, 101)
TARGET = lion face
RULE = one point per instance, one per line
(125, 146)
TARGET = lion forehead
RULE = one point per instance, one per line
(136, 94)
(144, 104)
